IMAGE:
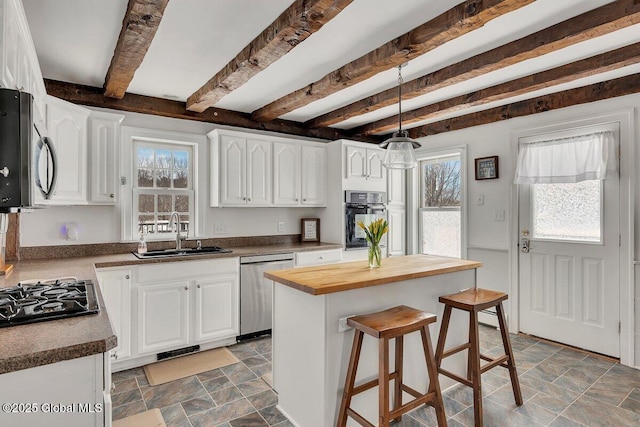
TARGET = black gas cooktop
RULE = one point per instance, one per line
(47, 300)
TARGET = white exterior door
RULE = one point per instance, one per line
(570, 277)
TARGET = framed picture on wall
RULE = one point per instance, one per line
(310, 229)
(487, 168)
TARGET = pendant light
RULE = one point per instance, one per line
(400, 148)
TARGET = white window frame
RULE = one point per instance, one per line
(436, 157)
(413, 197)
(131, 136)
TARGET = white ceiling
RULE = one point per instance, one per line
(75, 40)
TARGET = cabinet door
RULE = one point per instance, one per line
(314, 176)
(232, 170)
(375, 170)
(67, 126)
(396, 179)
(103, 147)
(356, 162)
(286, 174)
(10, 46)
(216, 308)
(258, 173)
(397, 231)
(115, 286)
(163, 317)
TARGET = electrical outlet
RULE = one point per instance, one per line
(280, 226)
(342, 324)
(220, 229)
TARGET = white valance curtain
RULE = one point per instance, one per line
(571, 159)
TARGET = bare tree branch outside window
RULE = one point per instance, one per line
(441, 184)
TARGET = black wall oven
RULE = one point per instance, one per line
(365, 206)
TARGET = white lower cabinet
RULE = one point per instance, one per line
(165, 306)
(327, 256)
(397, 231)
(115, 285)
(216, 308)
(163, 316)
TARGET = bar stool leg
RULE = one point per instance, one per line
(444, 327)
(474, 358)
(397, 396)
(383, 383)
(351, 378)
(511, 363)
(434, 383)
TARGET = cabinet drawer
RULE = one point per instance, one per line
(328, 256)
(187, 270)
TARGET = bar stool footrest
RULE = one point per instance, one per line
(359, 418)
(455, 350)
(499, 361)
(411, 391)
(411, 405)
(371, 384)
(455, 377)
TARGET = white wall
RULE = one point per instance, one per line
(101, 224)
(484, 235)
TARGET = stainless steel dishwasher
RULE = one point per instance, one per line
(256, 292)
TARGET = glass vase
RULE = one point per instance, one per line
(375, 256)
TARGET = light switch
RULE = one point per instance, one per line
(479, 199)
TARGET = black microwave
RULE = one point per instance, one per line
(27, 159)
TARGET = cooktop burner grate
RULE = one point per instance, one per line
(47, 300)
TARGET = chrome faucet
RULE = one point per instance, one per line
(179, 237)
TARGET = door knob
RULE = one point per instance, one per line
(525, 233)
(524, 245)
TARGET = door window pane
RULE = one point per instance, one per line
(567, 211)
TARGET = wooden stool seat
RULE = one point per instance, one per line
(393, 323)
(473, 301)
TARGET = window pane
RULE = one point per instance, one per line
(441, 232)
(567, 211)
(441, 183)
(182, 203)
(145, 178)
(181, 159)
(145, 157)
(163, 159)
(184, 224)
(146, 203)
(146, 224)
(163, 224)
(163, 179)
(181, 179)
(165, 203)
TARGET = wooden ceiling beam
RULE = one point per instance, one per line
(464, 18)
(292, 27)
(604, 20)
(139, 26)
(602, 63)
(93, 97)
(596, 92)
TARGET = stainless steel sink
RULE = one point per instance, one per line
(166, 253)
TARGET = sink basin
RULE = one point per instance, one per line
(165, 253)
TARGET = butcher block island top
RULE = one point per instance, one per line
(326, 279)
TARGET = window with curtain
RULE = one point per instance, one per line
(440, 218)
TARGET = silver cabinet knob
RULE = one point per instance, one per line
(304, 200)
(127, 277)
(112, 195)
(186, 288)
(249, 198)
(4, 171)
(199, 286)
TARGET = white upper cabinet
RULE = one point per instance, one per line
(245, 171)
(19, 67)
(255, 170)
(103, 152)
(396, 184)
(286, 181)
(314, 175)
(67, 128)
(363, 169)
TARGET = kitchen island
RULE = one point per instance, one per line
(311, 349)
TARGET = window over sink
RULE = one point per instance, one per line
(159, 177)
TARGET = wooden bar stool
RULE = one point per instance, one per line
(395, 323)
(474, 301)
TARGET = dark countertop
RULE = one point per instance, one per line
(42, 343)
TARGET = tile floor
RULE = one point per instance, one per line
(560, 386)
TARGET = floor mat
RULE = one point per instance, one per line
(152, 418)
(185, 366)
